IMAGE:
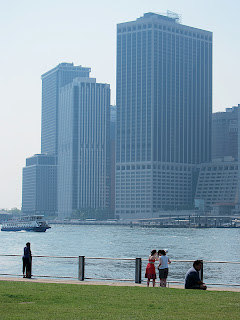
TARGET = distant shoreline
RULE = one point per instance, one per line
(139, 224)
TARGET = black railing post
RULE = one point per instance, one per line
(201, 271)
(138, 270)
(81, 268)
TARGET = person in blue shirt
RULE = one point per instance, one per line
(192, 279)
(27, 261)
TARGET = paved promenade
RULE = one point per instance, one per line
(108, 283)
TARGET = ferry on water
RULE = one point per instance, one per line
(26, 223)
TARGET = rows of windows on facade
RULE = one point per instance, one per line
(149, 153)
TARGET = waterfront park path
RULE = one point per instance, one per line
(110, 283)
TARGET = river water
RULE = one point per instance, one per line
(123, 242)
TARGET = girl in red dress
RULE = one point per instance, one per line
(150, 269)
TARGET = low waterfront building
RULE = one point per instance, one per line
(217, 185)
(160, 186)
(225, 133)
(39, 185)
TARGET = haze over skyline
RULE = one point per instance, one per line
(38, 36)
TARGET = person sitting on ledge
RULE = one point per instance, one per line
(192, 280)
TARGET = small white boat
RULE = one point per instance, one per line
(26, 223)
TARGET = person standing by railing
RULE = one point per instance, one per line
(163, 267)
(27, 261)
(150, 269)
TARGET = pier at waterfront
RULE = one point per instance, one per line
(172, 220)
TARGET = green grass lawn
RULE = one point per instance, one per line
(26, 300)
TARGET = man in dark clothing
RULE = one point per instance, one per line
(192, 280)
(27, 261)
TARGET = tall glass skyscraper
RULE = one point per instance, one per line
(52, 81)
(39, 183)
(164, 106)
(76, 137)
(84, 146)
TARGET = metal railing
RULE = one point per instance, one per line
(81, 261)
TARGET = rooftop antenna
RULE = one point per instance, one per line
(177, 17)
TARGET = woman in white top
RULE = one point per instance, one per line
(163, 267)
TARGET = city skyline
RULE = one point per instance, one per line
(36, 47)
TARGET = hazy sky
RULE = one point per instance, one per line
(38, 35)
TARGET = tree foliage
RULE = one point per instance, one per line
(15, 211)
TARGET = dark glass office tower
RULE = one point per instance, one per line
(164, 106)
(52, 81)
